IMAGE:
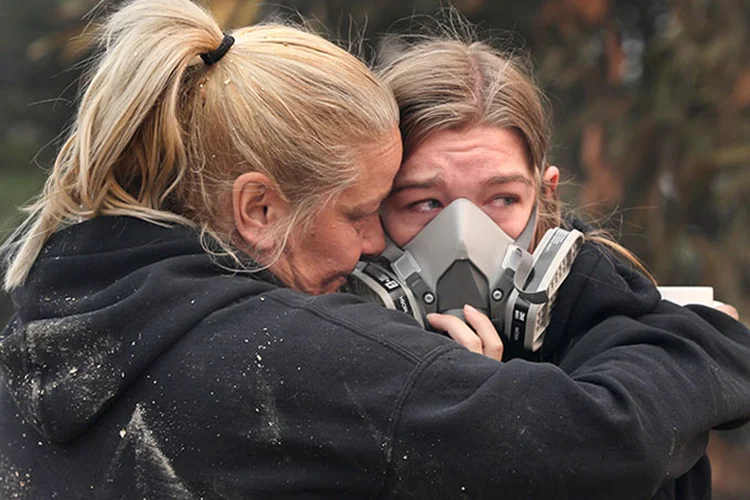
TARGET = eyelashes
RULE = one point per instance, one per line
(430, 204)
(424, 206)
(507, 200)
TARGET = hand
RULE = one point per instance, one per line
(478, 336)
(727, 309)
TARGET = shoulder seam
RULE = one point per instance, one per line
(354, 328)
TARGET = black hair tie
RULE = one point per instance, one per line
(215, 55)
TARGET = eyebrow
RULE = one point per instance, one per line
(437, 181)
(507, 179)
(434, 181)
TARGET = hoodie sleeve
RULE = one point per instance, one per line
(628, 409)
(599, 286)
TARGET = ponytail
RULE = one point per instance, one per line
(110, 163)
(161, 132)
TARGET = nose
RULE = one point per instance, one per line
(373, 237)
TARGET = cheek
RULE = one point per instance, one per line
(513, 223)
(512, 228)
(343, 250)
(397, 228)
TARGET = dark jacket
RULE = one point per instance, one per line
(136, 367)
(601, 285)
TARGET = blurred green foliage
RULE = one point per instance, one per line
(17, 188)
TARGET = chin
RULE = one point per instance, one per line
(332, 285)
(328, 285)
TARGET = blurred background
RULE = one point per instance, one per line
(651, 103)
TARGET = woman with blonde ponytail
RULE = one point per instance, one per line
(160, 132)
(173, 337)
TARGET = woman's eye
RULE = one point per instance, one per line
(361, 217)
(505, 201)
(424, 205)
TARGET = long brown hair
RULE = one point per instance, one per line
(452, 80)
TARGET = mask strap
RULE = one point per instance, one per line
(524, 239)
(392, 251)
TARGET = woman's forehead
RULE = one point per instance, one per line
(475, 154)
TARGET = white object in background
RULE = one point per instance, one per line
(683, 295)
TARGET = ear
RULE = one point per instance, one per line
(550, 180)
(257, 207)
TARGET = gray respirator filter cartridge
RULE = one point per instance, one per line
(529, 309)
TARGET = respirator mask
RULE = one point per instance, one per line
(463, 257)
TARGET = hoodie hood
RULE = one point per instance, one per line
(103, 300)
(600, 285)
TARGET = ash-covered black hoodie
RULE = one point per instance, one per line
(135, 367)
(599, 286)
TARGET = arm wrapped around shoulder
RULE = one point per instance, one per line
(702, 377)
(629, 409)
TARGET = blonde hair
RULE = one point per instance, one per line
(161, 136)
(452, 81)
